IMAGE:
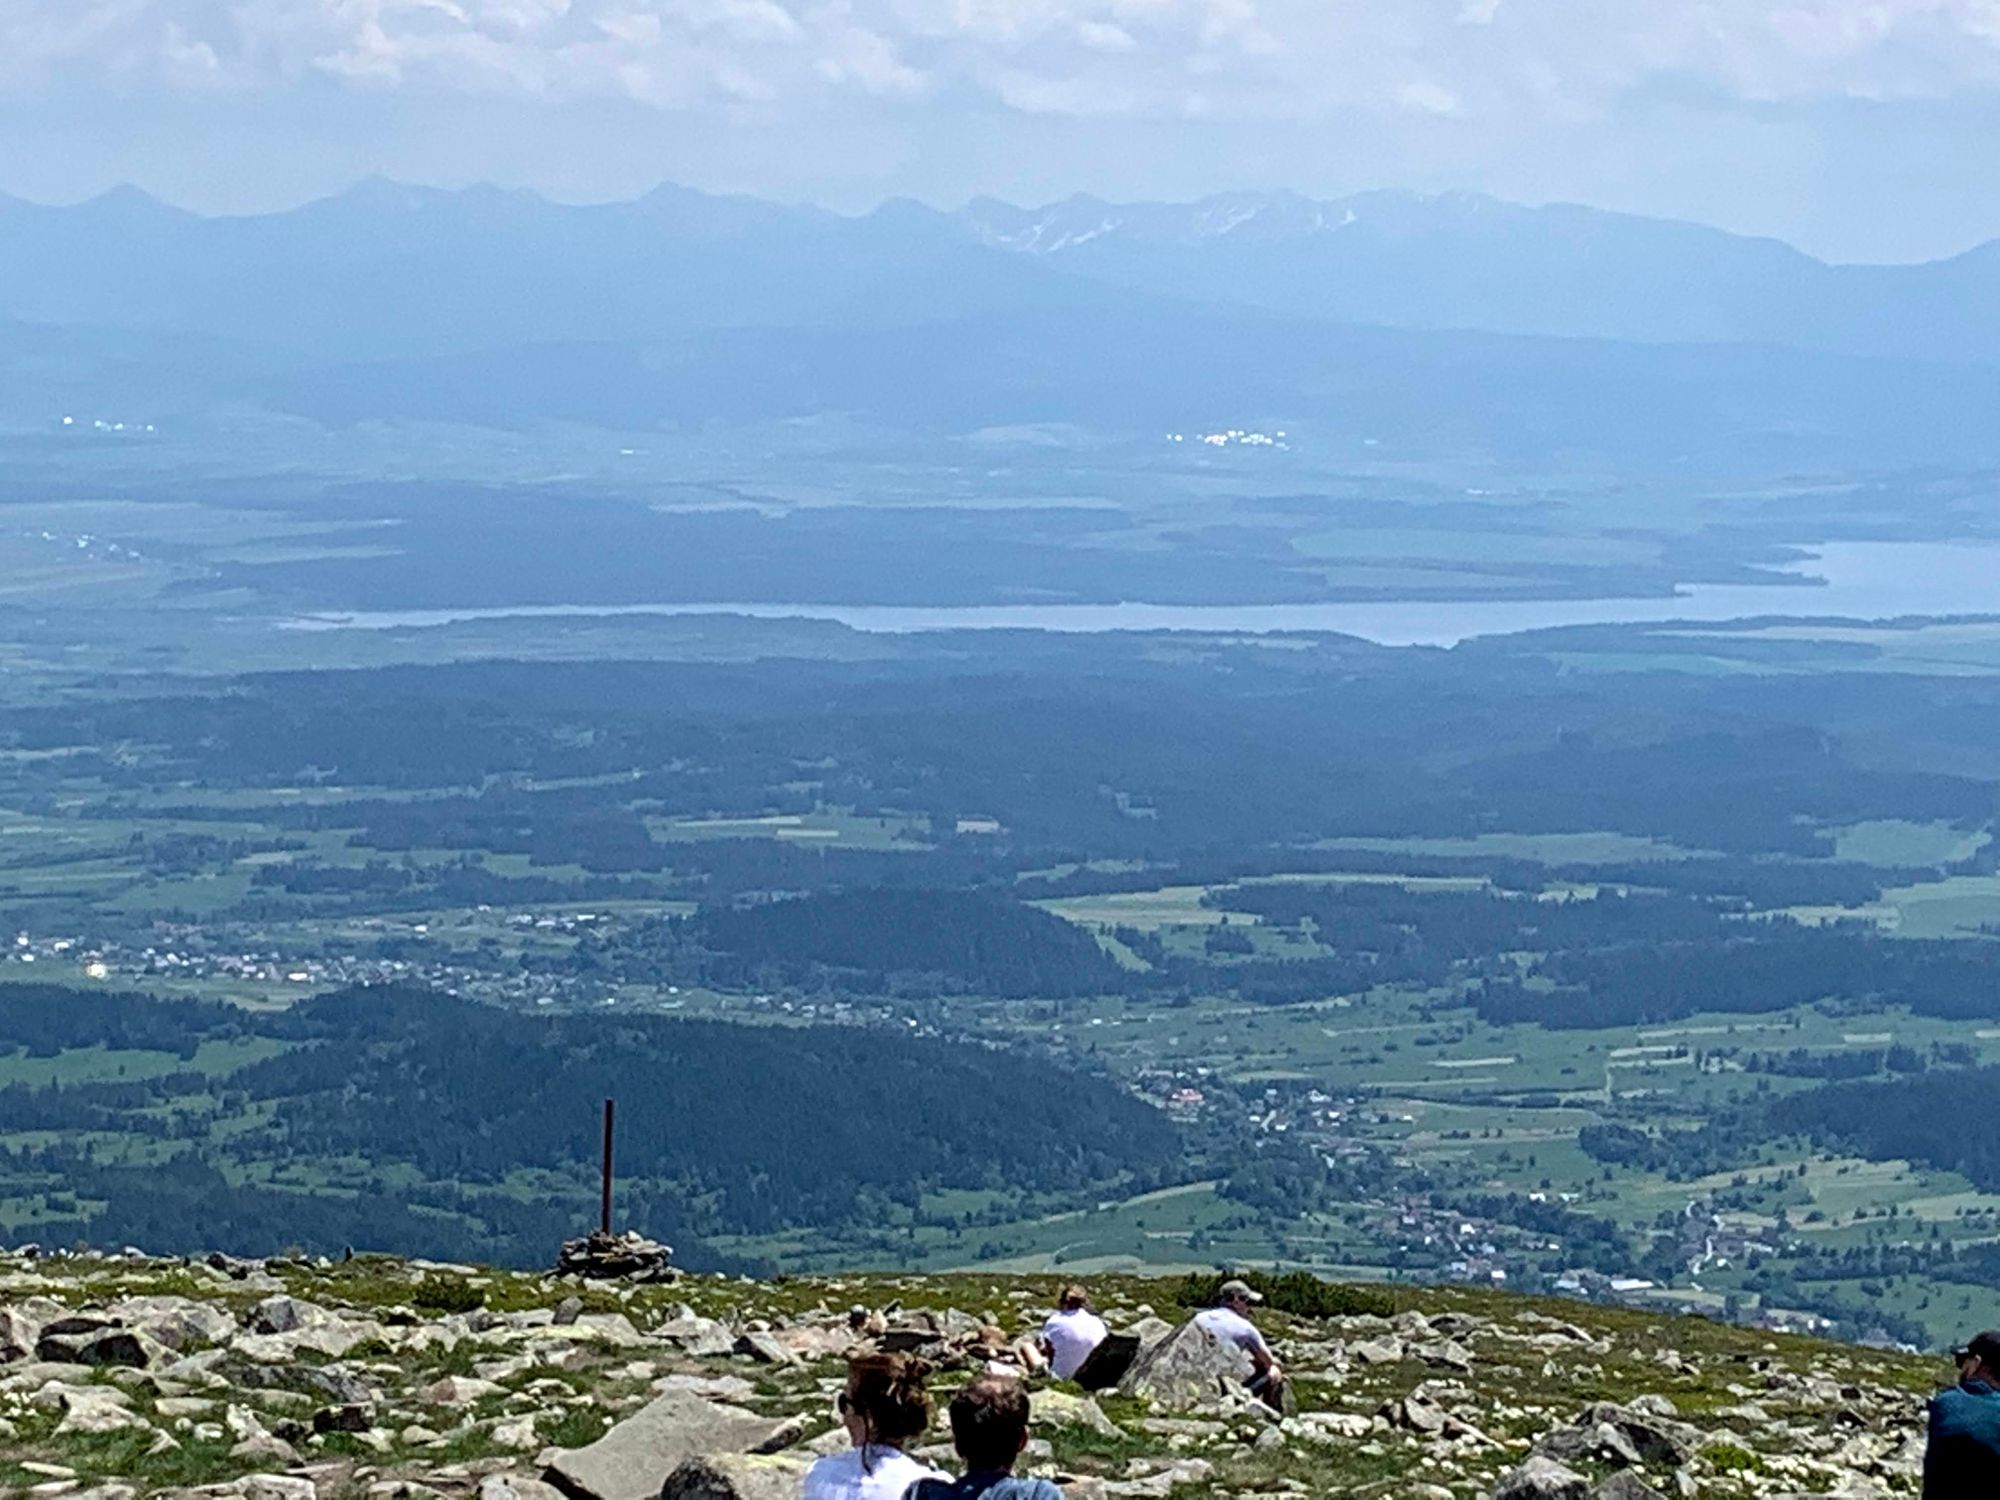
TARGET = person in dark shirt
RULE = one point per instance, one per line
(1962, 1456)
(989, 1428)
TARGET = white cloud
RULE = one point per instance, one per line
(853, 55)
(1105, 36)
(1470, 60)
(1429, 98)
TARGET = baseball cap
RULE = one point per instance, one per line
(1983, 1346)
(1233, 1288)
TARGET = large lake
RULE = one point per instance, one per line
(1845, 580)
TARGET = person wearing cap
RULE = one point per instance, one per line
(1229, 1321)
(1072, 1332)
(1962, 1455)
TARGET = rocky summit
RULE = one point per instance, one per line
(381, 1379)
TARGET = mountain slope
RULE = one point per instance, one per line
(385, 270)
(1419, 324)
(1147, 371)
(1467, 261)
(447, 1128)
(289, 1379)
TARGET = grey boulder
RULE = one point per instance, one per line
(1542, 1479)
(765, 1349)
(1600, 1442)
(1060, 1409)
(18, 1335)
(284, 1315)
(108, 1346)
(1189, 1367)
(735, 1477)
(1657, 1439)
(1625, 1486)
(697, 1336)
(633, 1459)
(516, 1487)
(177, 1322)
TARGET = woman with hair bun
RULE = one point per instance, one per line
(885, 1406)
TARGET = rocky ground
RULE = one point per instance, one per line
(381, 1379)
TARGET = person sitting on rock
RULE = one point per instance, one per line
(1072, 1332)
(1962, 1456)
(885, 1406)
(1229, 1321)
(989, 1428)
(1004, 1356)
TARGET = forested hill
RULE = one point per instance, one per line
(400, 1118)
(876, 941)
(1935, 1118)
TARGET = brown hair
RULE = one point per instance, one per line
(1074, 1296)
(989, 1424)
(887, 1392)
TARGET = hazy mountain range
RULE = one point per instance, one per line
(385, 268)
(1375, 311)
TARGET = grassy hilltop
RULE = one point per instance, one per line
(387, 1378)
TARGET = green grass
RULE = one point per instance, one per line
(1897, 843)
(1544, 848)
(1147, 911)
(105, 1065)
(824, 826)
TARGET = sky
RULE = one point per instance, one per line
(1857, 129)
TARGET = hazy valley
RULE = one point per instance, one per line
(1625, 958)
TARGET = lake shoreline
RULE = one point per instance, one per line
(1831, 581)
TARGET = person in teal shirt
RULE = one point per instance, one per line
(1962, 1456)
(989, 1428)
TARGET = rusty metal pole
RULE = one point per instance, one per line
(604, 1216)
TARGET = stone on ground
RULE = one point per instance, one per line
(631, 1461)
(1625, 1485)
(1542, 1479)
(1189, 1367)
(516, 1487)
(1060, 1409)
(735, 1477)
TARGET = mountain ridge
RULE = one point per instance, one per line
(382, 188)
(1396, 320)
(386, 269)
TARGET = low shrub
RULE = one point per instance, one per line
(1297, 1292)
(448, 1296)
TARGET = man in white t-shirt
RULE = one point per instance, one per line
(1072, 1332)
(1230, 1322)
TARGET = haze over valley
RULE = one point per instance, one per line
(1452, 738)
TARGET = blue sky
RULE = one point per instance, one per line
(1861, 129)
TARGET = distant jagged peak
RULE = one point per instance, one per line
(1241, 216)
(1237, 220)
(1283, 217)
(670, 209)
(1041, 231)
(129, 203)
(906, 212)
(379, 194)
(676, 197)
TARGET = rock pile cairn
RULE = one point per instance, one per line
(630, 1256)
